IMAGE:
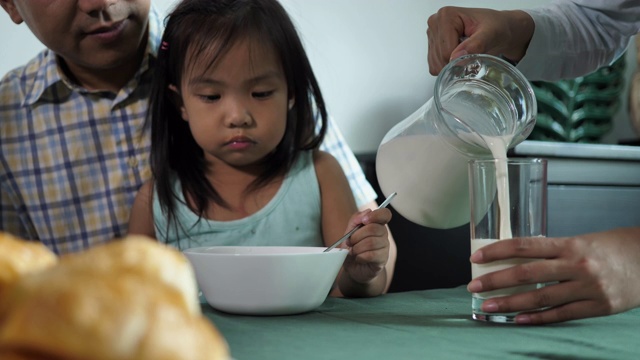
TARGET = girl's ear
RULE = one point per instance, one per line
(292, 102)
(174, 95)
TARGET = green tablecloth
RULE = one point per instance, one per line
(432, 324)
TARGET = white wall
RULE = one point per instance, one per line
(370, 57)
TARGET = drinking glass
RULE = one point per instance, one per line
(508, 199)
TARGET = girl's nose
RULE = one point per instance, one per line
(237, 115)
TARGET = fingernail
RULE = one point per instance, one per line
(476, 257)
(523, 319)
(475, 286)
(489, 306)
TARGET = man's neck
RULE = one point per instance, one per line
(112, 79)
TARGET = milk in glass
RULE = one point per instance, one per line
(498, 146)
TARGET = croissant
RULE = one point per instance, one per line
(129, 299)
(19, 257)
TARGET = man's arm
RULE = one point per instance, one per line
(574, 38)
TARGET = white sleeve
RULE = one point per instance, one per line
(574, 38)
(335, 144)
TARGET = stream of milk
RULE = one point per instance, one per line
(498, 146)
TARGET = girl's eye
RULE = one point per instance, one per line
(262, 94)
(210, 97)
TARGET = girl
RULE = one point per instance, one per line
(235, 156)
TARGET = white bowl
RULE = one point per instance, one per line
(265, 280)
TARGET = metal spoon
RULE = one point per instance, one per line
(346, 236)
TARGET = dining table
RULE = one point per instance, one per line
(420, 324)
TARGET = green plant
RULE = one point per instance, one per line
(579, 109)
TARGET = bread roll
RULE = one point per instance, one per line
(129, 299)
(19, 257)
(145, 257)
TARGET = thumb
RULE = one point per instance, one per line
(478, 43)
(460, 50)
(357, 219)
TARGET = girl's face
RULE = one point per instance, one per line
(236, 109)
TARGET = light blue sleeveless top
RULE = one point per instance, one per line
(291, 218)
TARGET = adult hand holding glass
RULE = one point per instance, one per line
(591, 275)
(486, 31)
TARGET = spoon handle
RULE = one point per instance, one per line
(346, 236)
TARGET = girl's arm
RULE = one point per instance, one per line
(141, 218)
(363, 272)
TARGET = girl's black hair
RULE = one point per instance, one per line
(209, 28)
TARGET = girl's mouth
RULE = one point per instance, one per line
(240, 143)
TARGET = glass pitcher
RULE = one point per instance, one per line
(481, 107)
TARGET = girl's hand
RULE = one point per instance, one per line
(594, 275)
(368, 247)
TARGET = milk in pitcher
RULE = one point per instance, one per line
(481, 107)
